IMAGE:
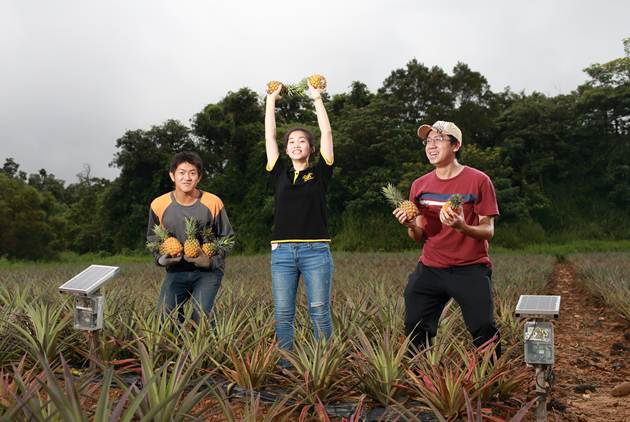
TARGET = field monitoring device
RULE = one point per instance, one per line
(88, 299)
(539, 310)
(539, 332)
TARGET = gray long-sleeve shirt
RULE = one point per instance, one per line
(208, 210)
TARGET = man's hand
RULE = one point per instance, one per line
(202, 261)
(402, 218)
(453, 218)
(166, 260)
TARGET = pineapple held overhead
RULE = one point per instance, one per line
(288, 90)
(166, 244)
(272, 86)
(454, 202)
(395, 198)
(191, 245)
(298, 89)
(317, 81)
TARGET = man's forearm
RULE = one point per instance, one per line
(415, 233)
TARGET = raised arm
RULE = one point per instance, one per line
(271, 145)
(326, 141)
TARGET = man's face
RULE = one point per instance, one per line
(186, 176)
(439, 149)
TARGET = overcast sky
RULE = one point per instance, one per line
(75, 75)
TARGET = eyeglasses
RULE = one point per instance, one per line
(435, 140)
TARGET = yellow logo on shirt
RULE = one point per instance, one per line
(307, 177)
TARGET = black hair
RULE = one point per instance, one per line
(186, 157)
(454, 141)
(308, 133)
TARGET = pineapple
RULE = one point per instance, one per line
(273, 85)
(317, 81)
(220, 244)
(191, 245)
(288, 90)
(207, 236)
(211, 244)
(454, 202)
(395, 198)
(166, 244)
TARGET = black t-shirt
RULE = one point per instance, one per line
(300, 198)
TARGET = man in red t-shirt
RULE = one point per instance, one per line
(454, 261)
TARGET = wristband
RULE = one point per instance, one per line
(319, 97)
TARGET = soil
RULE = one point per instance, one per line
(592, 355)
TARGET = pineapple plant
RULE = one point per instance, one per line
(395, 198)
(454, 202)
(191, 245)
(317, 81)
(166, 244)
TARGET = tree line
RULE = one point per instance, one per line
(560, 165)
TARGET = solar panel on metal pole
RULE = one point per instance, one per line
(89, 302)
(89, 280)
(538, 344)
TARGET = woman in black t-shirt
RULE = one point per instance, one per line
(300, 240)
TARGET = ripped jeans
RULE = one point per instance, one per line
(313, 261)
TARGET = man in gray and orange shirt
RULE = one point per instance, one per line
(454, 261)
(197, 278)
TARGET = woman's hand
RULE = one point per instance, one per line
(275, 94)
(315, 93)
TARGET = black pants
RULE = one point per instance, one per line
(429, 289)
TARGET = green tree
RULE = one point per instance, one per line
(143, 158)
(604, 106)
(11, 169)
(28, 228)
(85, 231)
(230, 135)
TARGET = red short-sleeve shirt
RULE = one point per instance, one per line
(445, 247)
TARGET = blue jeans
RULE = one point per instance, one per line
(314, 261)
(179, 287)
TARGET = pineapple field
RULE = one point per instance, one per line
(148, 367)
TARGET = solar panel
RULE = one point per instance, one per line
(538, 305)
(89, 280)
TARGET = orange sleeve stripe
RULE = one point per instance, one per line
(159, 205)
(213, 203)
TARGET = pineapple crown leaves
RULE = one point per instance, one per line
(456, 200)
(192, 227)
(392, 194)
(224, 244)
(298, 89)
(153, 246)
(207, 234)
(162, 234)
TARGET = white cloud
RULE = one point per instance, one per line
(77, 74)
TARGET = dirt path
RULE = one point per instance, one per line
(592, 355)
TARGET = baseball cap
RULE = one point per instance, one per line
(448, 128)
